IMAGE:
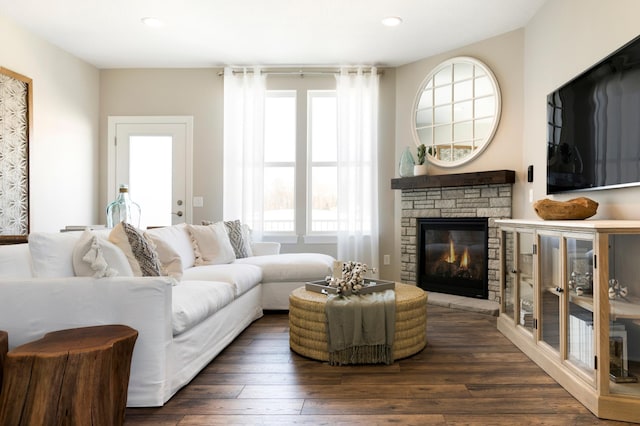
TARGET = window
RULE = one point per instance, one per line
(300, 145)
(279, 161)
(323, 148)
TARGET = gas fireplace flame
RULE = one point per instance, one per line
(450, 257)
(452, 252)
(466, 259)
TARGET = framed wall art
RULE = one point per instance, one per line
(15, 130)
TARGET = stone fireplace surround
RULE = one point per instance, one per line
(480, 194)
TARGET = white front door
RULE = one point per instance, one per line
(152, 155)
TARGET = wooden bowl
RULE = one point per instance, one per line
(576, 208)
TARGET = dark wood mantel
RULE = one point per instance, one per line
(494, 177)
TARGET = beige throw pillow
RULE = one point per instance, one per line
(211, 244)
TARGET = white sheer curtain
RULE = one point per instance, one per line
(243, 186)
(357, 95)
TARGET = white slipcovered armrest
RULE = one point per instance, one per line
(265, 248)
(30, 308)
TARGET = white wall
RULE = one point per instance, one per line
(192, 92)
(565, 38)
(63, 156)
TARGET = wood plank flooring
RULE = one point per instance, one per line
(469, 374)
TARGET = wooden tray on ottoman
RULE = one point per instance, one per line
(371, 286)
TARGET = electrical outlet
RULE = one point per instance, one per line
(386, 260)
(198, 202)
(531, 195)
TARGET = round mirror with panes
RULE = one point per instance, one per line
(457, 111)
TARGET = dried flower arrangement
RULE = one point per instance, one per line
(352, 279)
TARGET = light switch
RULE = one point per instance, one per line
(198, 201)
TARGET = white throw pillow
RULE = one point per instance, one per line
(140, 253)
(211, 244)
(52, 253)
(177, 237)
(169, 258)
(94, 256)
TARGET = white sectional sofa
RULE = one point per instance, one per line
(184, 320)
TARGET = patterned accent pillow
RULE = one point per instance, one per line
(140, 253)
(238, 237)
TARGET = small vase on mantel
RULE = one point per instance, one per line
(405, 169)
(420, 169)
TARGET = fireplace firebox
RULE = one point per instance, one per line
(453, 256)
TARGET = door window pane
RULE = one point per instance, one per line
(580, 322)
(550, 282)
(150, 178)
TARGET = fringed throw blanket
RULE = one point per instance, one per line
(360, 328)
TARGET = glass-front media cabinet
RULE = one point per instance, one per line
(570, 300)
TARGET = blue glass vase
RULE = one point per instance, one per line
(405, 169)
(123, 210)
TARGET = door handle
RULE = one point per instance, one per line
(178, 213)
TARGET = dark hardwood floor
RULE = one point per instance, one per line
(469, 374)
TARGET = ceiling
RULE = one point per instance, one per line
(209, 33)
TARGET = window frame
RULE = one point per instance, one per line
(301, 87)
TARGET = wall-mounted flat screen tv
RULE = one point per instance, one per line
(593, 126)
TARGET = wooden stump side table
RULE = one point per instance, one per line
(77, 377)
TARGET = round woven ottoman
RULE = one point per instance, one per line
(307, 322)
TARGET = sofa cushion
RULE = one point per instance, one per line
(241, 277)
(94, 256)
(139, 252)
(176, 237)
(291, 266)
(195, 301)
(263, 248)
(15, 261)
(52, 253)
(211, 244)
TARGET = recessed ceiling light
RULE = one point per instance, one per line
(152, 22)
(392, 21)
